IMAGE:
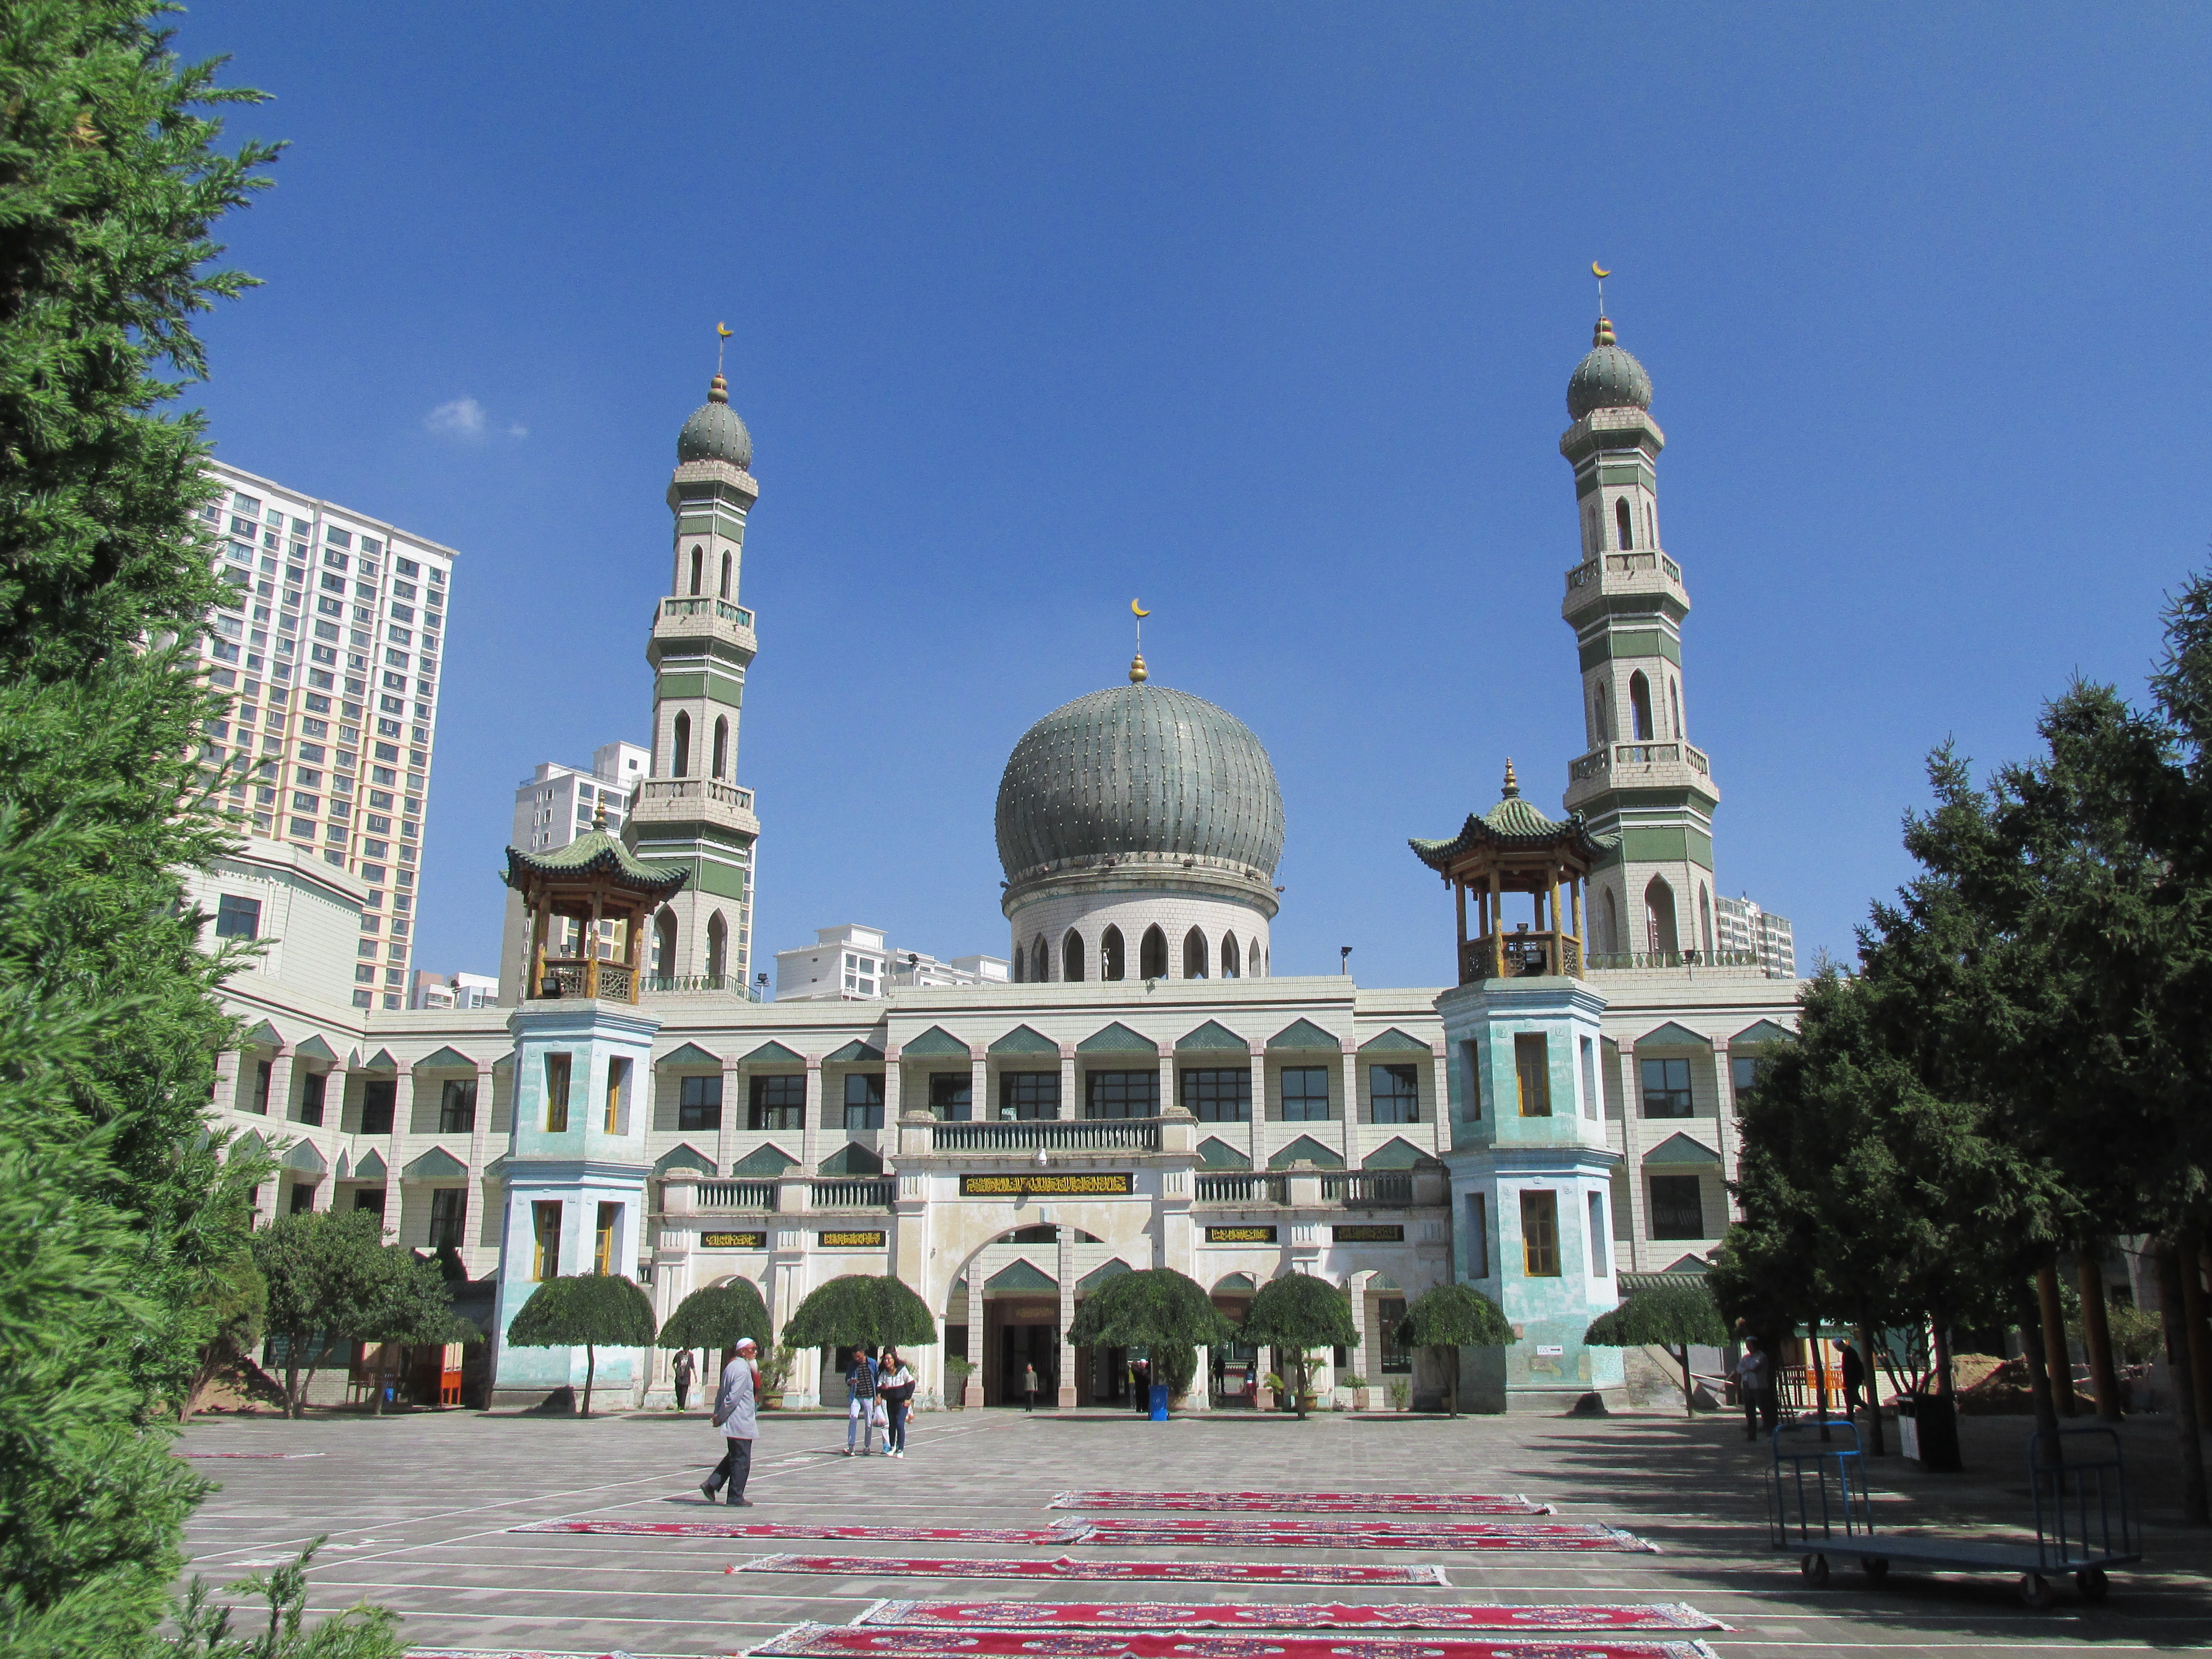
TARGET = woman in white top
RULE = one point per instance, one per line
(896, 1388)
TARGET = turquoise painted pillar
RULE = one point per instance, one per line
(576, 1171)
(1531, 1184)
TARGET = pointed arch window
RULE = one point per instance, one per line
(698, 567)
(1623, 522)
(1071, 957)
(1110, 965)
(1639, 705)
(1674, 702)
(721, 747)
(1252, 959)
(1153, 954)
(1230, 963)
(682, 768)
(1660, 937)
(725, 576)
(1037, 962)
(664, 944)
(1705, 920)
(1193, 955)
(1612, 922)
(718, 947)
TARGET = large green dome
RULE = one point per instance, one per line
(715, 433)
(1606, 379)
(1139, 770)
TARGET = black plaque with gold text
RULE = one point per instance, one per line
(870, 1239)
(1113, 1183)
(1240, 1235)
(733, 1240)
(1369, 1232)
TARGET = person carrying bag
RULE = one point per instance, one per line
(896, 1391)
(860, 1403)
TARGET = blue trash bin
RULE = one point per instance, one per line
(1159, 1403)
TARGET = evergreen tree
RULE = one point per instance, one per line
(1294, 1315)
(1676, 1317)
(1452, 1317)
(860, 1310)
(115, 1208)
(589, 1311)
(1167, 1314)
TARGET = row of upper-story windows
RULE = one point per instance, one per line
(1235, 958)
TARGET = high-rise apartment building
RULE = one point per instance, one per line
(328, 650)
(852, 964)
(1746, 930)
(554, 805)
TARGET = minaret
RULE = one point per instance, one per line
(691, 815)
(1640, 779)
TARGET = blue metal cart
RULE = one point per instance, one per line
(2083, 1524)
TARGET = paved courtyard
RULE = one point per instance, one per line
(418, 1510)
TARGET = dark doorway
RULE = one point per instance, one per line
(1024, 1345)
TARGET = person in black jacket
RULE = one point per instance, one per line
(895, 1384)
(1855, 1379)
(861, 1402)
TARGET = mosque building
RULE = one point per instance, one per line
(1142, 1091)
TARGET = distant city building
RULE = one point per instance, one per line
(1745, 929)
(452, 990)
(852, 964)
(328, 649)
(553, 807)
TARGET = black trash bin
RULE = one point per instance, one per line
(1928, 1425)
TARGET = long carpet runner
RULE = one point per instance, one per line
(1287, 1615)
(202, 1453)
(1365, 1535)
(850, 1642)
(1309, 1503)
(1068, 1570)
(1067, 1533)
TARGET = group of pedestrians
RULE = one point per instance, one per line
(879, 1394)
(1754, 1386)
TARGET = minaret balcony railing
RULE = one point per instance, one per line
(1523, 955)
(1595, 764)
(1636, 754)
(1643, 561)
(706, 605)
(1616, 961)
(699, 789)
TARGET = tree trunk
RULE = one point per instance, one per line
(2186, 1423)
(1689, 1389)
(2056, 1355)
(1942, 1345)
(2039, 1376)
(1454, 1352)
(292, 1398)
(1820, 1375)
(1867, 1352)
(591, 1370)
(2097, 1331)
(2192, 1307)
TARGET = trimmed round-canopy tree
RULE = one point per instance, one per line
(1158, 1310)
(717, 1316)
(858, 1311)
(1676, 1317)
(1454, 1317)
(584, 1310)
(1295, 1314)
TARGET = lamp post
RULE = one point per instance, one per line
(1344, 958)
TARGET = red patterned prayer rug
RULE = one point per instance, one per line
(1364, 1535)
(1064, 1568)
(202, 1453)
(851, 1642)
(1286, 1615)
(1066, 1533)
(1309, 1503)
(507, 1653)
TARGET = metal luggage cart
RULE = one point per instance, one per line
(2084, 1524)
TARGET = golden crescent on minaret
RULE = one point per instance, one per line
(1597, 272)
(724, 329)
(1136, 608)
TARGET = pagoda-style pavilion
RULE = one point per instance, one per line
(1514, 848)
(595, 879)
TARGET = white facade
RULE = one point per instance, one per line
(1205, 936)
(330, 653)
(552, 807)
(453, 991)
(852, 964)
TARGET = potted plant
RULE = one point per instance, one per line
(1271, 1390)
(956, 1372)
(775, 1377)
(1357, 1386)
(1400, 1395)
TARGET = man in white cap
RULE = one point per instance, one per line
(735, 1415)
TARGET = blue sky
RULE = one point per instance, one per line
(1266, 314)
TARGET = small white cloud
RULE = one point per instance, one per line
(462, 418)
(518, 432)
